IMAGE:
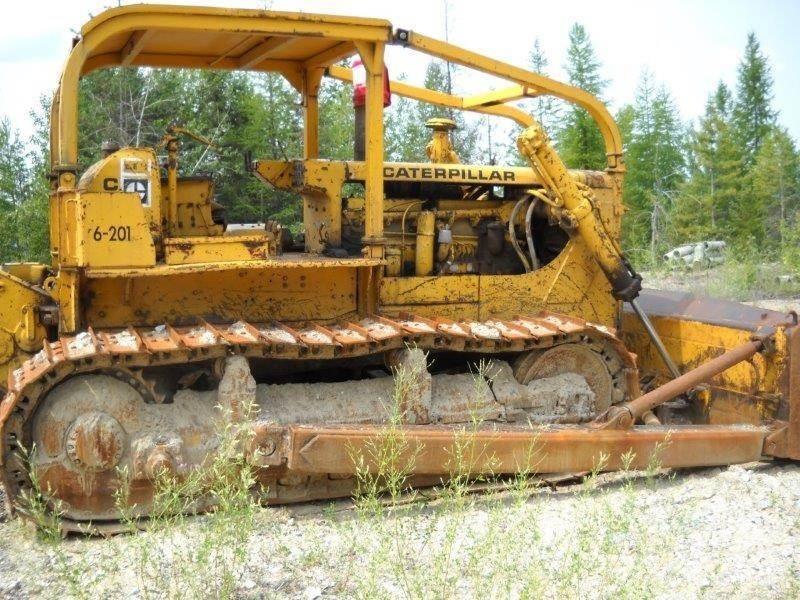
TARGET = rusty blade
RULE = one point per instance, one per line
(430, 450)
(685, 305)
(793, 394)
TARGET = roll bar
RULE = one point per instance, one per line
(300, 46)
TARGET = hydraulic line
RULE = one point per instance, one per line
(529, 233)
(512, 234)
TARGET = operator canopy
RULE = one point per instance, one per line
(185, 36)
(300, 46)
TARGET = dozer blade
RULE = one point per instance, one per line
(507, 450)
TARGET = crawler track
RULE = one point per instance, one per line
(124, 352)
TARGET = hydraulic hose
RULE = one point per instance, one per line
(529, 233)
(512, 234)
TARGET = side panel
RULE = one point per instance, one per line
(112, 231)
(258, 295)
(572, 284)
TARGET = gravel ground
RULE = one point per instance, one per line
(731, 531)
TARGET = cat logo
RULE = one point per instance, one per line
(138, 186)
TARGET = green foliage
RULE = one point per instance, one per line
(775, 179)
(238, 112)
(405, 132)
(438, 76)
(656, 164)
(23, 198)
(580, 141)
(707, 202)
(624, 119)
(753, 115)
(336, 121)
(790, 246)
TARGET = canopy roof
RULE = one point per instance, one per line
(300, 46)
(200, 37)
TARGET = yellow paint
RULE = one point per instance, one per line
(575, 204)
(259, 295)
(129, 169)
(20, 333)
(571, 284)
(440, 149)
(426, 228)
(748, 387)
(193, 250)
(194, 208)
(436, 98)
(112, 231)
(177, 265)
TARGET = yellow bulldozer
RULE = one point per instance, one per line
(154, 312)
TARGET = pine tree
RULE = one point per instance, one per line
(405, 133)
(336, 120)
(23, 198)
(709, 199)
(465, 136)
(236, 111)
(34, 236)
(776, 189)
(753, 114)
(655, 164)
(273, 131)
(624, 119)
(545, 109)
(580, 141)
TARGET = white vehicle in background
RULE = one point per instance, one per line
(701, 254)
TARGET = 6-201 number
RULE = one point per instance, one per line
(114, 233)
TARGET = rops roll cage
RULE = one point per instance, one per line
(303, 48)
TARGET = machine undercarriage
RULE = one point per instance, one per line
(524, 372)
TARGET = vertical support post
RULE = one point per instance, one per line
(311, 82)
(68, 294)
(66, 154)
(372, 57)
(172, 185)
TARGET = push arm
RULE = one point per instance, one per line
(576, 203)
